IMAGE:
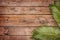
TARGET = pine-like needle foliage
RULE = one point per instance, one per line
(49, 33)
(55, 10)
(46, 33)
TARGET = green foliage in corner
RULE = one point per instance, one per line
(49, 33)
(55, 9)
(46, 33)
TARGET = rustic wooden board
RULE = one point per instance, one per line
(14, 26)
(15, 38)
(27, 31)
(2, 31)
(24, 10)
(16, 31)
(25, 2)
(26, 20)
(19, 31)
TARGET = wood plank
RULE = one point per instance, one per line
(21, 31)
(25, 2)
(26, 20)
(17, 31)
(2, 31)
(15, 38)
(1, 37)
(24, 10)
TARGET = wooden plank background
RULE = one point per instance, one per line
(18, 18)
(25, 2)
(27, 20)
(24, 10)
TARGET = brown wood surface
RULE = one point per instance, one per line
(20, 31)
(25, 2)
(26, 20)
(24, 10)
(18, 18)
(15, 38)
(2, 30)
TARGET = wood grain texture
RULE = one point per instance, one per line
(15, 38)
(24, 10)
(16, 31)
(25, 2)
(3, 31)
(18, 18)
(22, 31)
(26, 20)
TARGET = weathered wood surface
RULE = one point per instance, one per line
(24, 10)
(15, 38)
(26, 20)
(25, 2)
(27, 31)
(17, 31)
(2, 30)
(18, 18)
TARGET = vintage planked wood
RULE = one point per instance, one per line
(22, 31)
(18, 31)
(2, 30)
(15, 38)
(24, 10)
(19, 17)
(25, 2)
(26, 20)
